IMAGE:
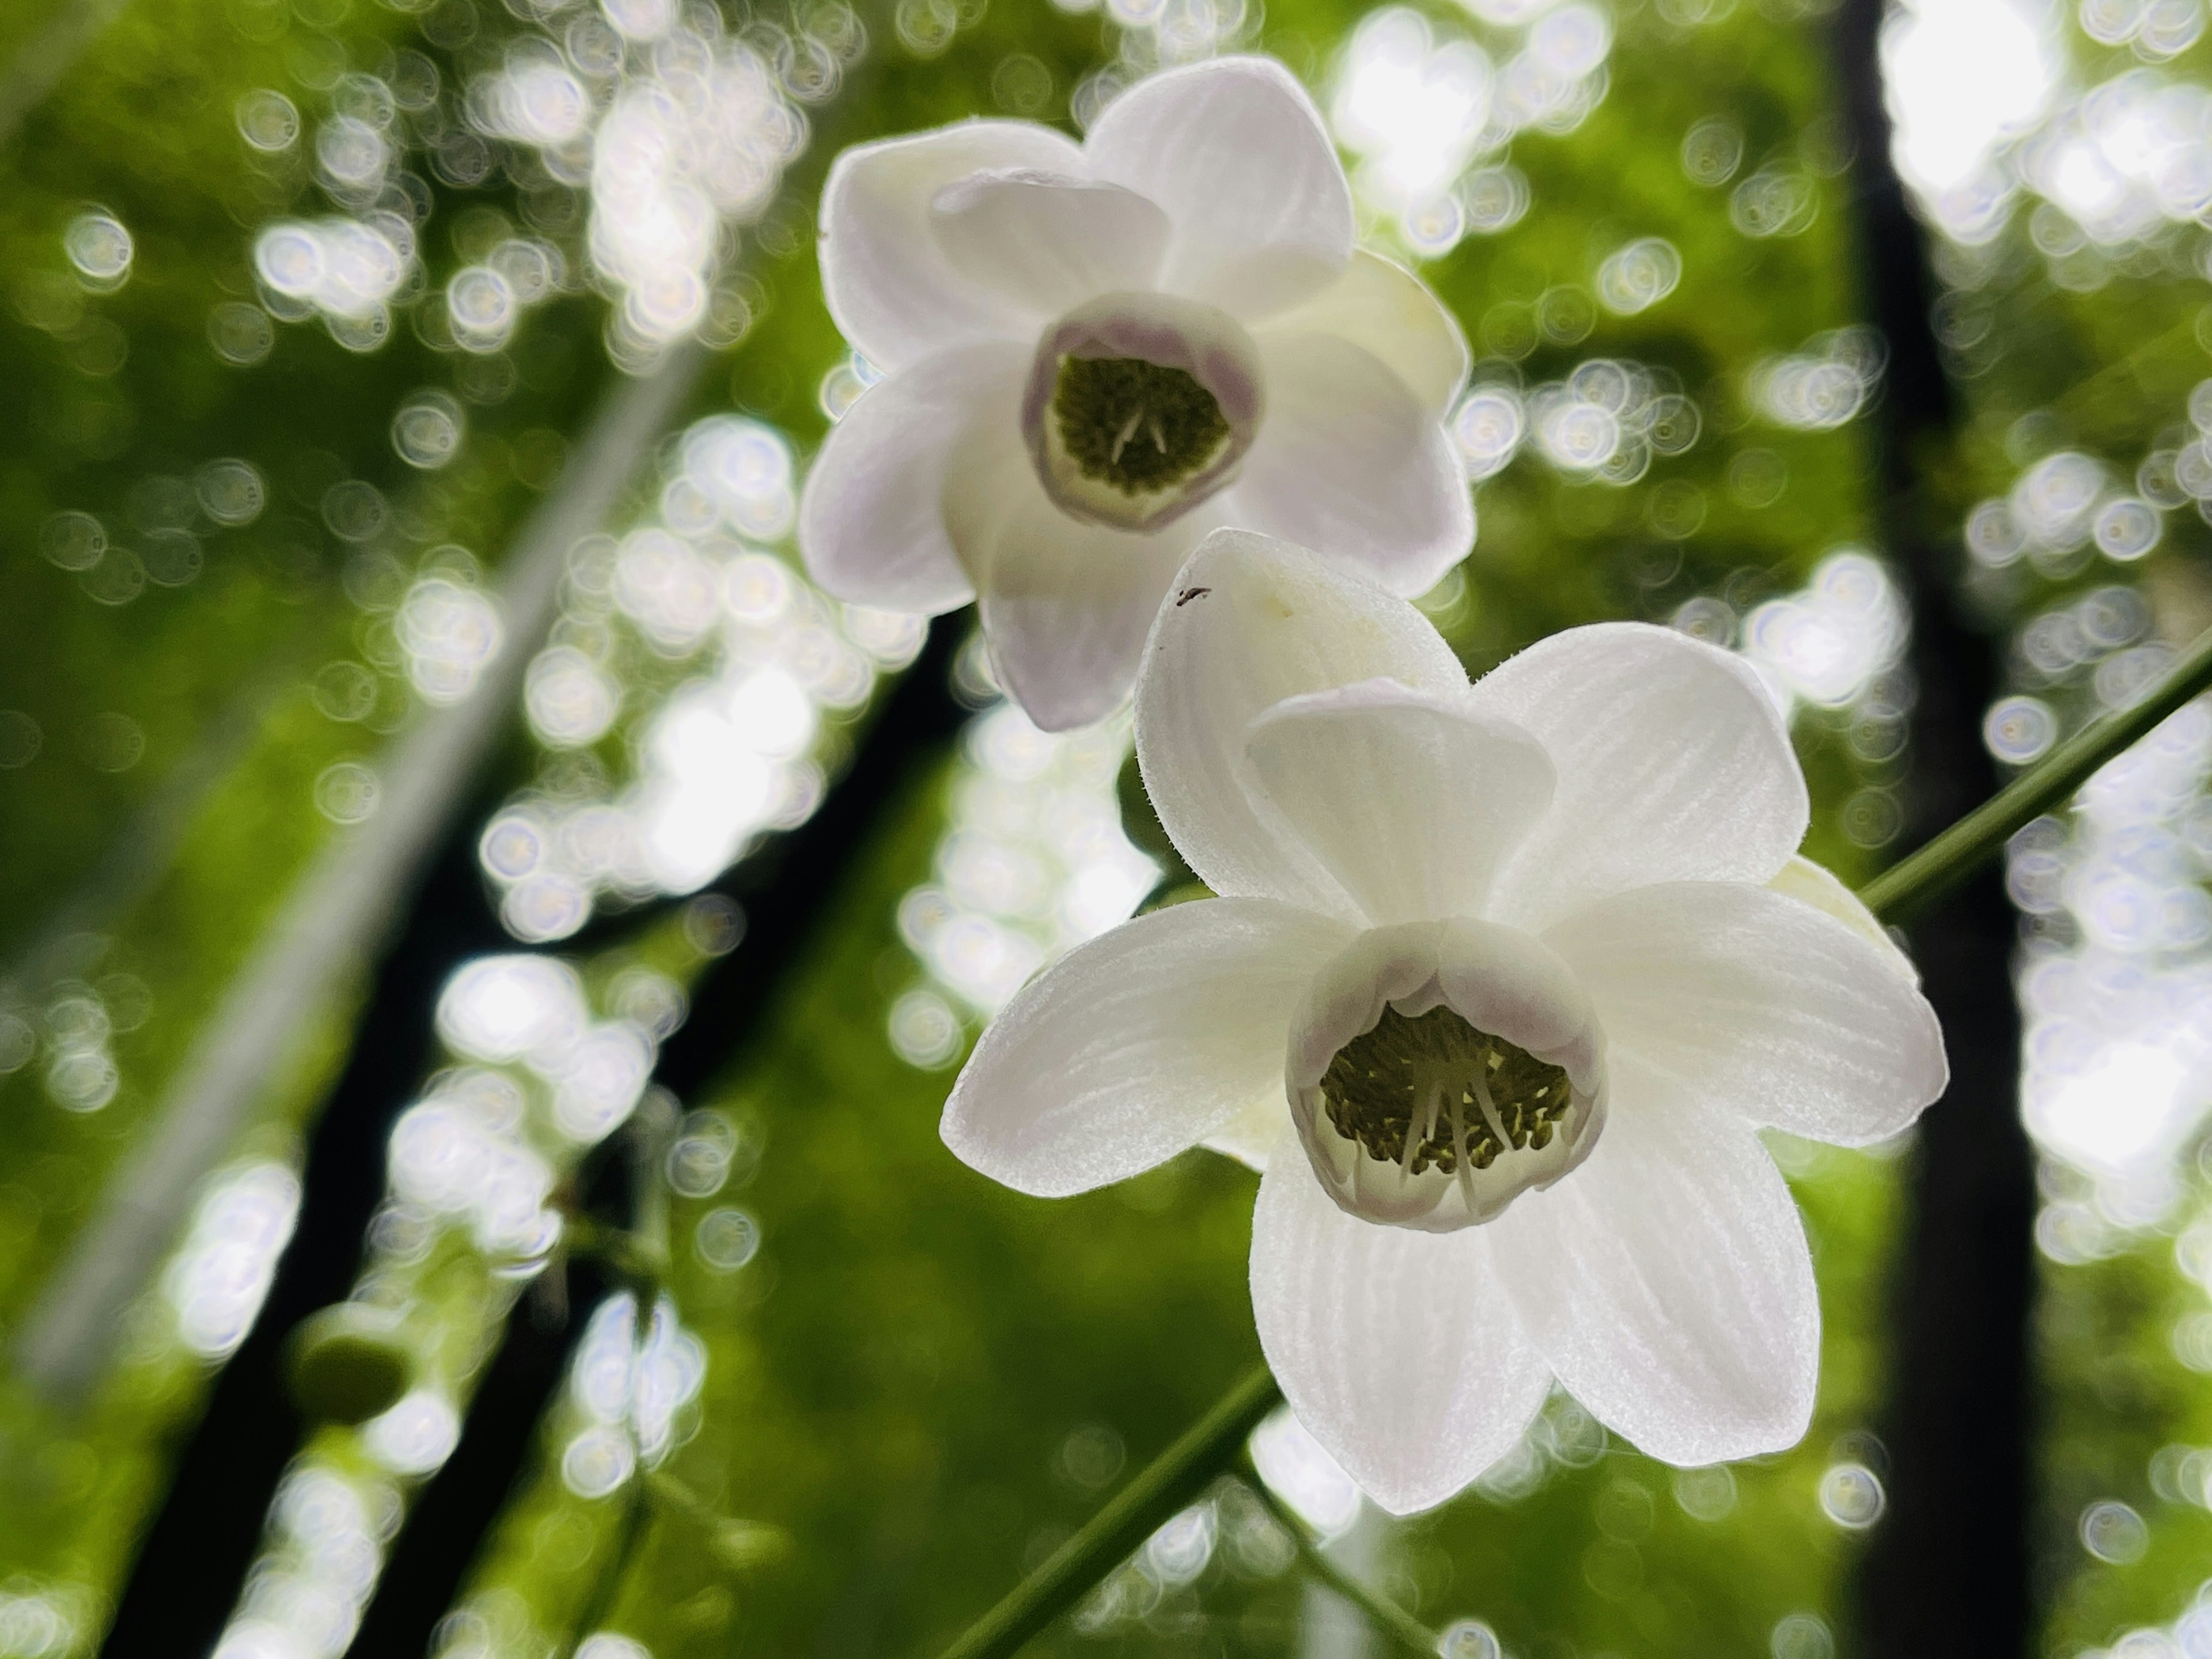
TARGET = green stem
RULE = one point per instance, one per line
(1909, 886)
(1182, 1472)
(1386, 1615)
(1167, 1485)
(607, 1589)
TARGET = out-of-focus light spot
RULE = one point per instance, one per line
(459, 1154)
(2125, 528)
(1489, 426)
(100, 249)
(481, 306)
(924, 1031)
(1033, 862)
(1826, 644)
(2112, 1532)
(218, 1279)
(511, 1008)
(1823, 386)
(1411, 108)
(1963, 79)
(608, 1644)
(449, 634)
(571, 702)
(1802, 1636)
(1705, 1494)
(2017, 730)
(2123, 1110)
(415, 1435)
(1304, 1476)
(1637, 276)
(344, 268)
(726, 1239)
(1851, 1496)
(349, 792)
(428, 429)
(240, 334)
(269, 121)
(1712, 150)
(230, 492)
(1180, 1550)
(1468, 1638)
(599, 1079)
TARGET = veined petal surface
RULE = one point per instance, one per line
(1812, 884)
(1136, 1045)
(1045, 241)
(1236, 152)
(1350, 461)
(1410, 802)
(1065, 605)
(1674, 763)
(1399, 1350)
(1761, 1005)
(871, 522)
(1667, 1282)
(1387, 312)
(893, 292)
(1252, 621)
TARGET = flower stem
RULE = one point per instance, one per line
(1165, 1486)
(1909, 886)
(1179, 1474)
(637, 1513)
(1386, 1615)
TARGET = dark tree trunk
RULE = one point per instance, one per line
(1947, 1570)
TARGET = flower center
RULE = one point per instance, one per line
(1431, 1092)
(1138, 407)
(1138, 426)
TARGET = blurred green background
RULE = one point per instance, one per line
(403, 404)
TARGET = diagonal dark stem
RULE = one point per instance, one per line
(785, 888)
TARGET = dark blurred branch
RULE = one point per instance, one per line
(333, 922)
(1947, 1572)
(786, 887)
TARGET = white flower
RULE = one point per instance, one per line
(1097, 354)
(1520, 968)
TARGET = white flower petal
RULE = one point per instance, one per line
(1759, 1005)
(1667, 1282)
(1049, 241)
(894, 293)
(1814, 885)
(1250, 1137)
(1253, 621)
(1410, 801)
(1348, 461)
(1674, 763)
(872, 523)
(1136, 1045)
(1065, 604)
(1399, 1351)
(1387, 310)
(1236, 152)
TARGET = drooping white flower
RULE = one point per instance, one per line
(1502, 981)
(1097, 354)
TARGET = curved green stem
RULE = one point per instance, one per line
(1386, 1615)
(1910, 885)
(1182, 1472)
(1165, 1486)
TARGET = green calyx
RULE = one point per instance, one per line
(1428, 1092)
(1138, 426)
